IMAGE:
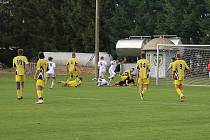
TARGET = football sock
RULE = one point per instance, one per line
(21, 92)
(53, 83)
(178, 91)
(39, 93)
(18, 93)
(144, 90)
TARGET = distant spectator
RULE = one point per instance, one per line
(209, 68)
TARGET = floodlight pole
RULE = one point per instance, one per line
(97, 38)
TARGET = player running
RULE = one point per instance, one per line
(178, 74)
(51, 71)
(112, 69)
(72, 67)
(143, 69)
(102, 67)
(40, 77)
(21, 64)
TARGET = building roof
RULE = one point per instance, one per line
(152, 44)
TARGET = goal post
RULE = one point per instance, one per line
(197, 58)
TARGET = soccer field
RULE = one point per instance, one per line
(109, 113)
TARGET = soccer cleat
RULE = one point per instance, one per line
(182, 97)
(40, 102)
(20, 98)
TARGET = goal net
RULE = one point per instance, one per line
(197, 58)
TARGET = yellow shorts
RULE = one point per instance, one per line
(40, 82)
(178, 82)
(143, 81)
(20, 78)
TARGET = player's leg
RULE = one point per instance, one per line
(140, 88)
(53, 81)
(39, 91)
(182, 93)
(178, 87)
(18, 79)
(112, 75)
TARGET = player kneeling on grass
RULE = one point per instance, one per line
(143, 69)
(179, 73)
(40, 76)
(72, 83)
(51, 71)
(126, 80)
(21, 64)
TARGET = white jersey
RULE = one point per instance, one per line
(102, 82)
(113, 65)
(102, 65)
(51, 66)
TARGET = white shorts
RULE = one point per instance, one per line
(111, 73)
(102, 73)
(51, 75)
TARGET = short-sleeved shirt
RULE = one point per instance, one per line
(143, 66)
(179, 68)
(19, 62)
(102, 64)
(42, 67)
(171, 65)
(51, 66)
(72, 62)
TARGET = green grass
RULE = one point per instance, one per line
(109, 113)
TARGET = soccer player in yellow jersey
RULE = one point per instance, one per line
(171, 65)
(143, 69)
(72, 67)
(180, 66)
(21, 64)
(40, 77)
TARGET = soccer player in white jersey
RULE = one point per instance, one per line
(102, 82)
(112, 68)
(51, 71)
(102, 67)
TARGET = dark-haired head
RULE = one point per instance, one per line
(50, 58)
(20, 51)
(41, 55)
(173, 59)
(178, 56)
(73, 55)
(143, 56)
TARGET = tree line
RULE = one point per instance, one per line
(69, 25)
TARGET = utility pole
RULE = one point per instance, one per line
(97, 38)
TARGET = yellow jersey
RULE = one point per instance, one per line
(19, 62)
(179, 68)
(74, 83)
(143, 67)
(171, 65)
(72, 62)
(42, 67)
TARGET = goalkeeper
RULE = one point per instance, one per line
(71, 83)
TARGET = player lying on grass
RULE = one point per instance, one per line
(126, 80)
(102, 82)
(71, 83)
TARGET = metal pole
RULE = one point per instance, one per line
(157, 66)
(97, 38)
